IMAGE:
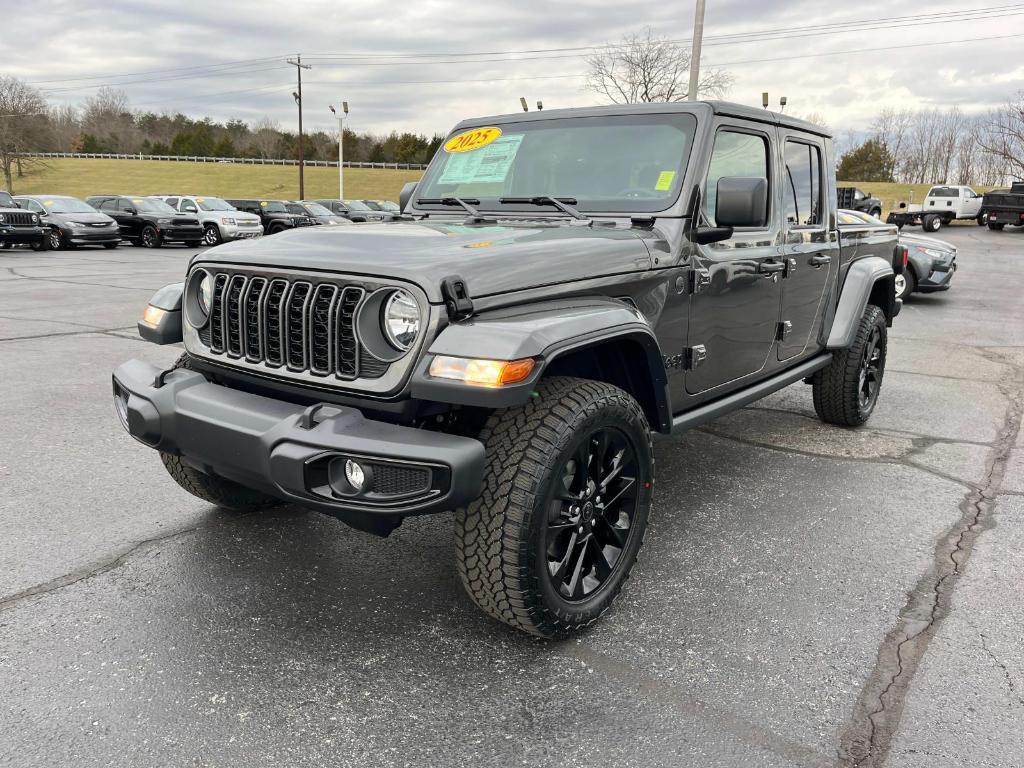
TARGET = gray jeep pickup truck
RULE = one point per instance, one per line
(561, 285)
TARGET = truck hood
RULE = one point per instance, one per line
(491, 258)
(923, 241)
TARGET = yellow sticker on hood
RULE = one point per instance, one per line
(473, 139)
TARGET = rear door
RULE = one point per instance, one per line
(734, 310)
(811, 241)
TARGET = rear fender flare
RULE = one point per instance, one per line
(868, 279)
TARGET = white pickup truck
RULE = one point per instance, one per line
(941, 206)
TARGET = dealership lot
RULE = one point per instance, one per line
(807, 594)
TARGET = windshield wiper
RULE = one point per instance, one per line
(475, 217)
(564, 204)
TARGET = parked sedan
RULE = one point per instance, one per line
(318, 213)
(72, 223)
(930, 262)
(148, 222)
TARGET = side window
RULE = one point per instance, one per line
(734, 154)
(187, 206)
(35, 207)
(802, 190)
(171, 201)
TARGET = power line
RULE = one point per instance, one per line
(235, 63)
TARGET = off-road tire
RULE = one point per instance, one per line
(274, 229)
(42, 245)
(836, 387)
(215, 490)
(499, 538)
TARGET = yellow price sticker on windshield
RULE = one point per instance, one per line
(263, 203)
(48, 203)
(474, 139)
(137, 202)
(665, 180)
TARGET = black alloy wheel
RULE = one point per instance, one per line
(149, 238)
(870, 371)
(592, 507)
(56, 240)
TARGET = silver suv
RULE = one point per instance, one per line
(221, 221)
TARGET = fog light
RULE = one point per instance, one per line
(355, 475)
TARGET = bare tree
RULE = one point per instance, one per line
(22, 126)
(1004, 138)
(891, 127)
(644, 67)
(266, 137)
(109, 119)
(64, 127)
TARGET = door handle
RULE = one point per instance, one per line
(819, 259)
(770, 267)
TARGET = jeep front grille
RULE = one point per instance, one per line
(294, 325)
(19, 219)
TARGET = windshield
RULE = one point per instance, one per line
(214, 204)
(6, 201)
(372, 205)
(66, 205)
(151, 206)
(271, 206)
(613, 163)
(355, 205)
(387, 205)
(315, 209)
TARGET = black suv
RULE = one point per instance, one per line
(72, 223)
(316, 212)
(353, 210)
(20, 227)
(148, 222)
(274, 214)
(564, 284)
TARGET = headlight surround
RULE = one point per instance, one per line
(163, 222)
(937, 255)
(401, 320)
(1, 218)
(228, 220)
(198, 298)
(35, 218)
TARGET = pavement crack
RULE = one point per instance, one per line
(865, 740)
(108, 331)
(1012, 686)
(83, 574)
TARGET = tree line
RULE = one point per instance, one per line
(940, 146)
(107, 122)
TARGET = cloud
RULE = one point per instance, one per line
(109, 42)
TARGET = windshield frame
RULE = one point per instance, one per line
(689, 119)
(57, 199)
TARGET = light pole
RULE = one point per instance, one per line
(698, 38)
(341, 146)
(299, 66)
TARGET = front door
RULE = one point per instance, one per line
(811, 242)
(734, 309)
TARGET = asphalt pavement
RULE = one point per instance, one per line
(807, 595)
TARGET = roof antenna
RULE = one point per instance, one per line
(522, 101)
(540, 105)
(764, 99)
(782, 104)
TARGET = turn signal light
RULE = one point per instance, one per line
(482, 373)
(153, 315)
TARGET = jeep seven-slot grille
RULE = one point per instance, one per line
(298, 325)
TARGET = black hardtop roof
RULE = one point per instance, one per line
(705, 108)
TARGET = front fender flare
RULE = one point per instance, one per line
(861, 278)
(548, 331)
(169, 331)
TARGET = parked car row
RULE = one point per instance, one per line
(151, 221)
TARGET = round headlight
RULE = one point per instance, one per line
(401, 320)
(205, 295)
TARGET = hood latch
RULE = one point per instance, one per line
(455, 293)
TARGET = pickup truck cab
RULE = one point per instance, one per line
(856, 199)
(561, 286)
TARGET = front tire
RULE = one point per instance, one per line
(567, 492)
(149, 238)
(845, 392)
(215, 490)
(57, 241)
(905, 284)
(212, 236)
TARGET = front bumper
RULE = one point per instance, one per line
(235, 232)
(940, 278)
(178, 234)
(22, 235)
(286, 450)
(92, 236)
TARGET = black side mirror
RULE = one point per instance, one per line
(742, 202)
(406, 194)
(131, 211)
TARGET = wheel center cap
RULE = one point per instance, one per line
(588, 511)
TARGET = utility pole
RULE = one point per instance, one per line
(698, 38)
(341, 146)
(299, 66)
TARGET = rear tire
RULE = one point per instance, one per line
(876, 212)
(982, 219)
(210, 488)
(931, 223)
(995, 226)
(845, 392)
(567, 492)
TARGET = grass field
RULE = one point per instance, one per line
(81, 178)
(84, 177)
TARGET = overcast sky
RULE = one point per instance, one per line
(145, 47)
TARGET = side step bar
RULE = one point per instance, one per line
(709, 411)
